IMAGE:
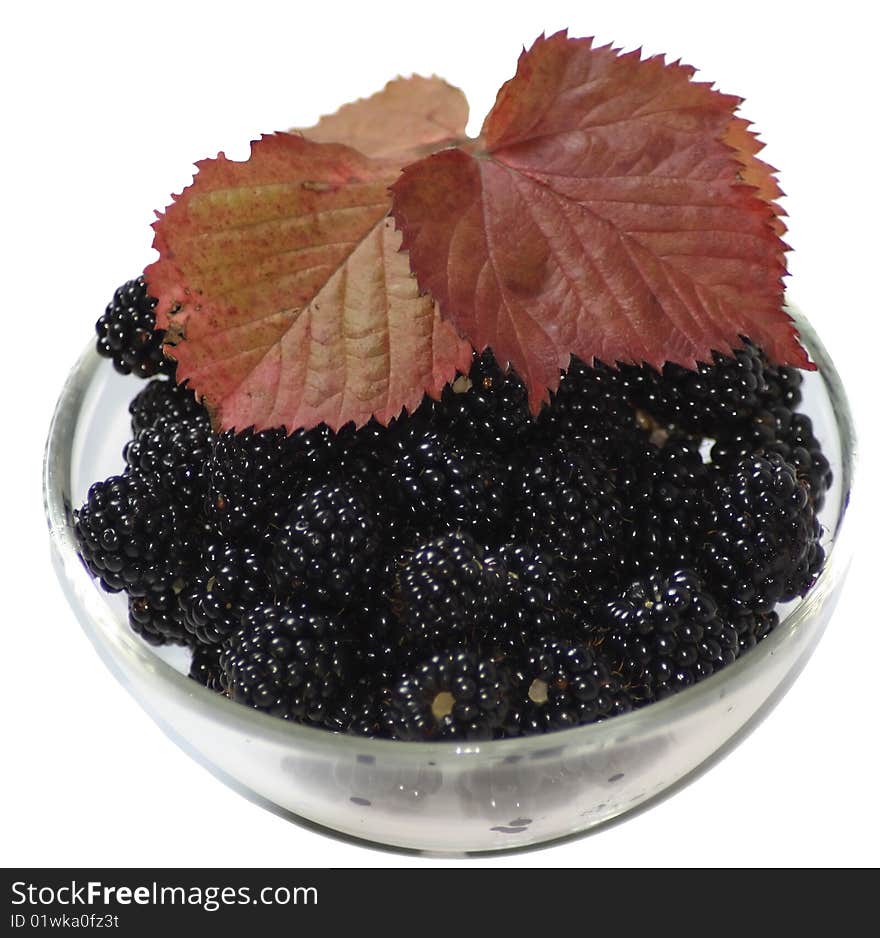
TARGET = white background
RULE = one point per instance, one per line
(105, 109)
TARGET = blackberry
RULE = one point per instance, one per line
(359, 712)
(167, 445)
(752, 628)
(126, 532)
(445, 587)
(381, 646)
(187, 486)
(763, 541)
(591, 401)
(156, 617)
(663, 507)
(697, 400)
(664, 634)
(532, 599)
(289, 662)
(229, 583)
(782, 385)
(565, 505)
(127, 333)
(433, 477)
(252, 478)
(488, 408)
(452, 695)
(205, 666)
(164, 401)
(786, 433)
(329, 546)
(737, 442)
(560, 684)
(797, 444)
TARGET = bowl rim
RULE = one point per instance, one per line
(104, 627)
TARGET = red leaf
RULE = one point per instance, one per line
(284, 294)
(755, 172)
(408, 118)
(601, 214)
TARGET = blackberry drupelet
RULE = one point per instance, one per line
(290, 662)
(445, 588)
(454, 694)
(165, 401)
(127, 333)
(229, 583)
(329, 547)
(126, 532)
(664, 634)
(205, 666)
(763, 538)
(559, 684)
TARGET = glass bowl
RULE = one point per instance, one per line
(437, 797)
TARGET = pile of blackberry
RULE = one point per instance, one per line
(469, 571)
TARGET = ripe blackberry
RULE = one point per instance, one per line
(252, 478)
(698, 400)
(167, 445)
(229, 583)
(797, 444)
(166, 401)
(205, 666)
(359, 712)
(565, 505)
(329, 546)
(289, 662)
(663, 507)
(187, 486)
(126, 532)
(590, 402)
(436, 479)
(532, 600)
(782, 386)
(762, 545)
(381, 646)
(560, 684)
(156, 617)
(445, 587)
(452, 695)
(664, 634)
(736, 442)
(127, 333)
(752, 628)
(489, 408)
(784, 432)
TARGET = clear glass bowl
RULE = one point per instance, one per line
(438, 797)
